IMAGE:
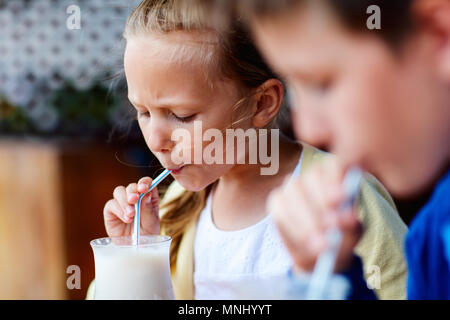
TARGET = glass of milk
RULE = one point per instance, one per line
(125, 271)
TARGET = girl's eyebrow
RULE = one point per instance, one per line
(172, 106)
(135, 104)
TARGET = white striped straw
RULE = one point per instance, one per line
(326, 262)
(137, 206)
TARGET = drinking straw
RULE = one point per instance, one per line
(326, 262)
(137, 206)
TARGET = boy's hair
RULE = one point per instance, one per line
(234, 57)
(396, 18)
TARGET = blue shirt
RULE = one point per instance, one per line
(428, 247)
(427, 252)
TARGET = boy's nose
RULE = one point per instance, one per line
(311, 128)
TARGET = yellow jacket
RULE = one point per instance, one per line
(381, 247)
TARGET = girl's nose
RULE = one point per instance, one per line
(158, 138)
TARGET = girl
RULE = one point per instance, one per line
(181, 70)
(381, 100)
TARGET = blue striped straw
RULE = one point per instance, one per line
(137, 206)
(326, 262)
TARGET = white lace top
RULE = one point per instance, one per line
(225, 260)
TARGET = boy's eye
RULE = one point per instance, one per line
(322, 85)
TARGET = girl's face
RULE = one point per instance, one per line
(387, 113)
(170, 90)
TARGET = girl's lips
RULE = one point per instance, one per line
(177, 171)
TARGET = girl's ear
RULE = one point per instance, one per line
(268, 102)
(434, 16)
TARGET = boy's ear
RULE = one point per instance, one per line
(434, 16)
(268, 102)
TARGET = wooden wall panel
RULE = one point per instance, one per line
(32, 251)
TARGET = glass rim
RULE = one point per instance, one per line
(163, 239)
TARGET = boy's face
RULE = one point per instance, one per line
(169, 95)
(387, 113)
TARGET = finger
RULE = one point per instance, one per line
(310, 218)
(333, 172)
(319, 206)
(335, 169)
(288, 205)
(132, 193)
(151, 199)
(296, 246)
(120, 195)
(306, 211)
(113, 211)
(328, 192)
(304, 239)
(144, 184)
(295, 229)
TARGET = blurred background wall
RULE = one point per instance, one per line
(42, 58)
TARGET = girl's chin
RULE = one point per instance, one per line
(191, 183)
(196, 177)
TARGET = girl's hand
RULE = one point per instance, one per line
(119, 212)
(306, 208)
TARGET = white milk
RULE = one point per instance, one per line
(123, 271)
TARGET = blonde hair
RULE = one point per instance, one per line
(233, 56)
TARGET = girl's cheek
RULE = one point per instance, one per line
(143, 128)
(184, 149)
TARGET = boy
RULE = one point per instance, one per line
(379, 99)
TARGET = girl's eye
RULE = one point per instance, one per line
(143, 114)
(184, 119)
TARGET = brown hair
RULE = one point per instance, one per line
(397, 20)
(235, 57)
